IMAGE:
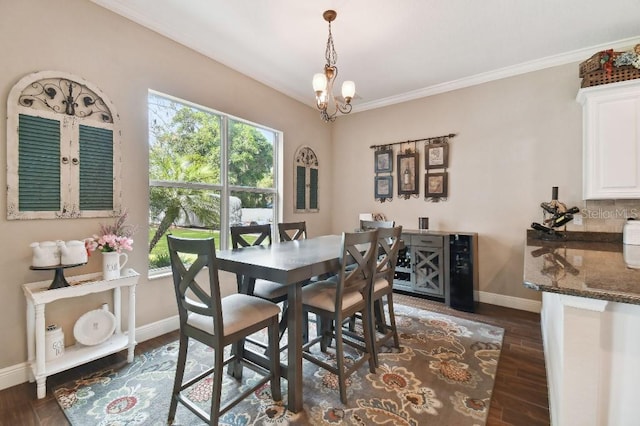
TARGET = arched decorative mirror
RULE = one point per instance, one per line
(306, 180)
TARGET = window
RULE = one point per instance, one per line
(62, 149)
(207, 172)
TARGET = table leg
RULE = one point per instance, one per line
(31, 338)
(131, 328)
(41, 374)
(117, 309)
(294, 348)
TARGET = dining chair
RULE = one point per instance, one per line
(254, 235)
(291, 231)
(337, 299)
(389, 242)
(216, 322)
(374, 224)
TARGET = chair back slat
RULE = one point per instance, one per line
(389, 240)
(190, 294)
(366, 225)
(292, 231)
(357, 263)
(239, 235)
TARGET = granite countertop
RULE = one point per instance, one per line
(592, 265)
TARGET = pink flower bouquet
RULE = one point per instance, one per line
(113, 238)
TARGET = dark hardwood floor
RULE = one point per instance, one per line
(519, 395)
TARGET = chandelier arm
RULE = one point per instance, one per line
(345, 109)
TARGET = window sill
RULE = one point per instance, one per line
(159, 273)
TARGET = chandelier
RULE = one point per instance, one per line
(323, 82)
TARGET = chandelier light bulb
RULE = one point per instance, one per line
(319, 82)
(348, 90)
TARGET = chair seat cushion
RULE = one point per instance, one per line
(381, 285)
(239, 311)
(269, 289)
(322, 295)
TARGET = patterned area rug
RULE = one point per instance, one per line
(443, 374)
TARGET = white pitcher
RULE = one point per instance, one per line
(111, 264)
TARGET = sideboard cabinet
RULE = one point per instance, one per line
(440, 265)
(611, 140)
(421, 265)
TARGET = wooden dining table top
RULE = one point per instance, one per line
(288, 262)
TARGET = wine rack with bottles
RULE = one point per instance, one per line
(402, 275)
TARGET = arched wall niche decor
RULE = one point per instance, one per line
(305, 181)
(63, 149)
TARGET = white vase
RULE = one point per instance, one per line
(112, 264)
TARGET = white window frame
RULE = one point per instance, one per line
(224, 188)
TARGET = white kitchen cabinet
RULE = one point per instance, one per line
(611, 140)
(38, 295)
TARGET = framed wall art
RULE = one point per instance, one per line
(383, 159)
(383, 187)
(407, 174)
(435, 185)
(437, 156)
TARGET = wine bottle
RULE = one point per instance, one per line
(561, 220)
(538, 227)
(573, 210)
(548, 208)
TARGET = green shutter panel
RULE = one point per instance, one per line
(301, 183)
(313, 189)
(96, 168)
(38, 164)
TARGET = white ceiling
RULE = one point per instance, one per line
(393, 50)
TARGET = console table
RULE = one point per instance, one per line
(38, 295)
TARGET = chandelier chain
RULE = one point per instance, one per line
(330, 54)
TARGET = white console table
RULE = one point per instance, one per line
(38, 295)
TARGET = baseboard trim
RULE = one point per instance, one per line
(19, 373)
(157, 328)
(14, 375)
(509, 301)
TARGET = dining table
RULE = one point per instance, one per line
(290, 263)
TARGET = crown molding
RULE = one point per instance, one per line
(524, 68)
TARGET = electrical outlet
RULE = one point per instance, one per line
(577, 219)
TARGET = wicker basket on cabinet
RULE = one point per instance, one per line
(594, 70)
